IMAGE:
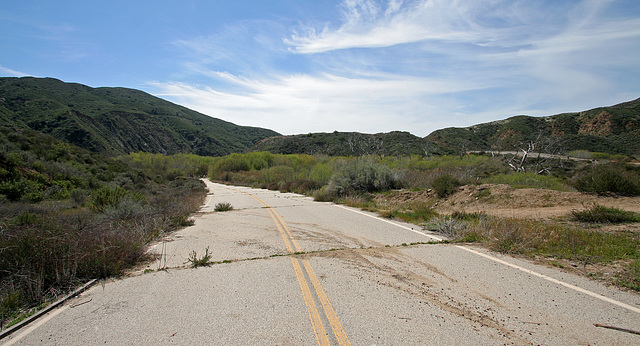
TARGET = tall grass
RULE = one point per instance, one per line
(420, 213)
(601, 214)
(47, 249)
(544, 238)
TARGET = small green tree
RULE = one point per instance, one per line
(445, 185)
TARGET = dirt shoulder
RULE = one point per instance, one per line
(505, 201)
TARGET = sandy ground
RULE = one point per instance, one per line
(503, 200)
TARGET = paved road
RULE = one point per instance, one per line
(299, 272)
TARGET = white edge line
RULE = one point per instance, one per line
(390, 222)
(497, 260)
(36, 325)
(555, 281)
(5, 333)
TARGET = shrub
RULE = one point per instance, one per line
(529, 237)
(173, 174)
(449, 225)
(362, 175)
(601, 214)
(321, 172)
(10, 304)
(223, 206)
(325, 195)
(416, 213)
(609, 179)
(509, 235)
(79, 197)
(469, 216)
(445, 185)
(12, 190)
(278, 174)
(126, 209)
(111, 197)
(301, 186)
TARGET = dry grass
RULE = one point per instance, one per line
(44, 251)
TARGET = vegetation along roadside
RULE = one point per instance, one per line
(431, 192)
(68, 215)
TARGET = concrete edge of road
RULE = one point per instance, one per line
(50, 307)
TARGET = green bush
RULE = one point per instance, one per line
(12, 190)
(278, 174)
(174, 174)
(362, 175)
(601, 214)
(609, 179)
(416, 214)
(111, 197)
(203, 261)
(302, 186)
(223, 206)
(445, 185)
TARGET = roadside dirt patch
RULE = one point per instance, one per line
(505, 201)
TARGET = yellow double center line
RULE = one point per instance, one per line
(316, 321)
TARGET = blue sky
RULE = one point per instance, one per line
(299, 66)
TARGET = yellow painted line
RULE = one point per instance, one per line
(326, 305)
(282, 233)
(286, 228)
(316, 322)
(291, 245)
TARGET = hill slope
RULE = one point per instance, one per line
(349, 144)
(115, 121)
(613, 130)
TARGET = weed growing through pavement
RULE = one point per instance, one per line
(223, 206)
(203, 261)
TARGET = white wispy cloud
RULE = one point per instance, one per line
(304, 103)
(11, 73)
(413, 65)
(370, 23)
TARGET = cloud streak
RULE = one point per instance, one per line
(11, 73)
(369, 23)
(413, 65)
(303, 103)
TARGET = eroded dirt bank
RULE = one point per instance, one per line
(503, 200)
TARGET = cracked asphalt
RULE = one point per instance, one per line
(291, 271)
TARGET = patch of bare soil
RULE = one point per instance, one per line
(505, 201)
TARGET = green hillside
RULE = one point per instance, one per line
(115, 121)
(349, 144)
(613, 130)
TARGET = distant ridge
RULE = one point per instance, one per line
(350, 144)
(614, 130)
(116, 121)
